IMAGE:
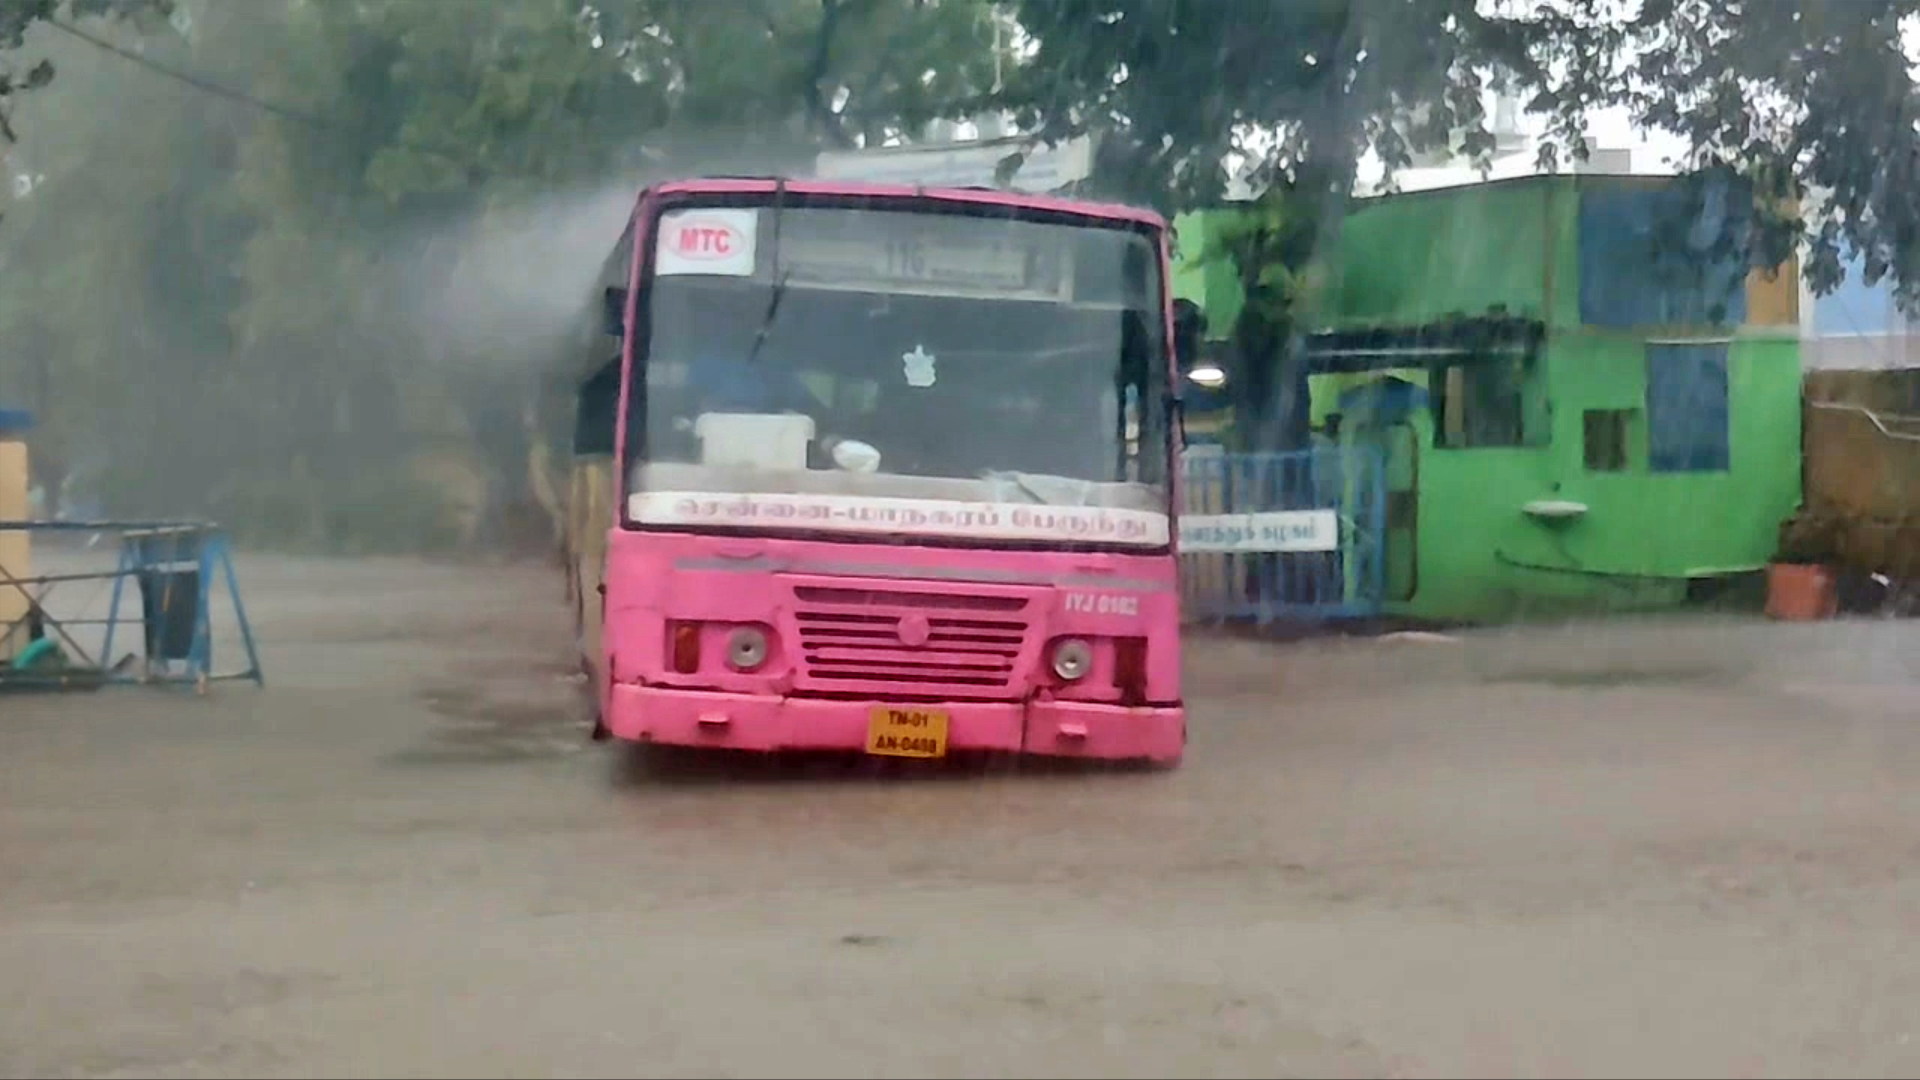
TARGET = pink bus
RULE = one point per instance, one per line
(887, 469)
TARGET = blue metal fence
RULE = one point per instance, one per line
(1292, 535)
(174, 567)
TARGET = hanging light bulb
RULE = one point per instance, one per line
(1208, 374)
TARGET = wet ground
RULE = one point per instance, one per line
(1660, 847)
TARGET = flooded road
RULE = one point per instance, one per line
(1658, 847)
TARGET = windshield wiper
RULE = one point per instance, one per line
(1067, 490)
(778, 291)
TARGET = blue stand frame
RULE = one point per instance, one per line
(159, 555)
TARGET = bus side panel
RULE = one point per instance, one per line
(590, 515)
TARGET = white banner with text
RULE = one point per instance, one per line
(1274, 531)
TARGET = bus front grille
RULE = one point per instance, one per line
(884, 640)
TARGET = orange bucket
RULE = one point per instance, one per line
(1798, 592)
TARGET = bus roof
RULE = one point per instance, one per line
(864, 189)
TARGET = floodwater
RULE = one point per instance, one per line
(1658, 847)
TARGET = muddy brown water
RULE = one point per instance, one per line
(1646, 848)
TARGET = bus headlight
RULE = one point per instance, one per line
(746, 648)
(1072, 659)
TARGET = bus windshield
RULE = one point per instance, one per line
(855, 369)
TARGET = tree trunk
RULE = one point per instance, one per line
(1329, 168)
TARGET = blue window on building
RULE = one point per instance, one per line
(1855, 307)
(1687, 416)
(1647, 260)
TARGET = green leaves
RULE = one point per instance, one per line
(407, 156)
(1812, 102)
(17, 16)
(1172, 87)
(338, 281)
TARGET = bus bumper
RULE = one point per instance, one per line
(754, 722)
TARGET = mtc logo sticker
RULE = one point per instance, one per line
(719, 243)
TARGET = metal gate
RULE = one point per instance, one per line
(1294, 535)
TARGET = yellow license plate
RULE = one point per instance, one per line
(916, 733)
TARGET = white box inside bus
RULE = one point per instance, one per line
(762, 440)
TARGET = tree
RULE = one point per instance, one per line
(18, 16)
(111, 280)
(461, 123)
(1173, 87)
(311, 304)
(1811, 101)
(1300, 89)
(1269, 248)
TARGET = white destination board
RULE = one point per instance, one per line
(1275, 531)
(894, 250)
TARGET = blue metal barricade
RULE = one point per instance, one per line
(174, 567)
(1283, 535)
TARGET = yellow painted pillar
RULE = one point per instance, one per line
(13, 544)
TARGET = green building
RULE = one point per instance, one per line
(1572, 417)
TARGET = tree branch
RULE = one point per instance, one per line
(823, 117)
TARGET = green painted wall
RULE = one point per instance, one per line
(1417, 258)
(1644, 533)
(1412, 259)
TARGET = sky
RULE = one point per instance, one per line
(1651, 152)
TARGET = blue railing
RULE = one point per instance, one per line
(1293, 535)
(174, 568)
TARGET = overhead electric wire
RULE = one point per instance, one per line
(189, 79)
(240, 97)
(301, 116)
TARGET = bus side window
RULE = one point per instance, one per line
(1143, 394)
(597, 403)
(614, 312)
